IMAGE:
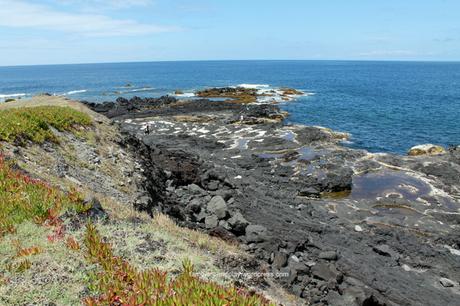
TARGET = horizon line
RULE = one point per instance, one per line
(238, 60)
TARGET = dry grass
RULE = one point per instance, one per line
(56, 274)
(119, 281)
(195, 238)
(59, 272)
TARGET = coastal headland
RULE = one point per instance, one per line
(321, 223)
(349, 227)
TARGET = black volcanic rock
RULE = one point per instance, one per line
(292, 195)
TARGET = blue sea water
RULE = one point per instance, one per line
(386, 106)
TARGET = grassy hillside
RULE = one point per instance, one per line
(25, 199)
(35, 123)
(51, 252)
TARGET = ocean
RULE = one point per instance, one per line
(385, 106)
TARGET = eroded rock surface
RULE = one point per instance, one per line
(344, 226)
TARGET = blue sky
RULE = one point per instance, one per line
(83, 31)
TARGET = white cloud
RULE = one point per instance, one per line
(21, 14)
(118, 4)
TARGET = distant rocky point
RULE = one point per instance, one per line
(250, 95)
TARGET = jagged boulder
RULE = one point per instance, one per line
(218, 207)
(238, 224)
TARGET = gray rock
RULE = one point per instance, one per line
(354, 282)
(299, 267)
(218, 207)
(238, 224)
(200, 216)
(211, 221)
(143, 202)
(297, 290)
(447, 282)
(280, 260)
(213, 185)
(195, 189)
(328, 255)
(224, 224)
(256, 233)
(309, 192)
(325, 272)
(352, 296)
(292, 276)
(334, 299)
(385, 250)
(294, 259)
(305, 293)
(95, 210)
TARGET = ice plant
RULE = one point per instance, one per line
(35, 123)
(25, 199)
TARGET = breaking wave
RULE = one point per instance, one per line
(73, 92)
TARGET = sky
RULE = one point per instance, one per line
(91, 31)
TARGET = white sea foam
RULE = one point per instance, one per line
(12, 95)
(254, 86)
(186, 95)
(141, 89)
(136, 90)
(75, 92)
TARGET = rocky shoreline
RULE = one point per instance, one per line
(346, 226)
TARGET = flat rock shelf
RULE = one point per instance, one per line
(346, 227)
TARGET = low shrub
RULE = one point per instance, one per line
(33, 123)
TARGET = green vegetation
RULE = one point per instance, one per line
(237, 95)
(35, 270)
(25, 199)
(245, 95)
(286, 91)
(33, 124)
(121, 283)
(48, 257)
(29, 252)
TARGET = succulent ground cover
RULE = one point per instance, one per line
(35, 123)
(23, 198)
